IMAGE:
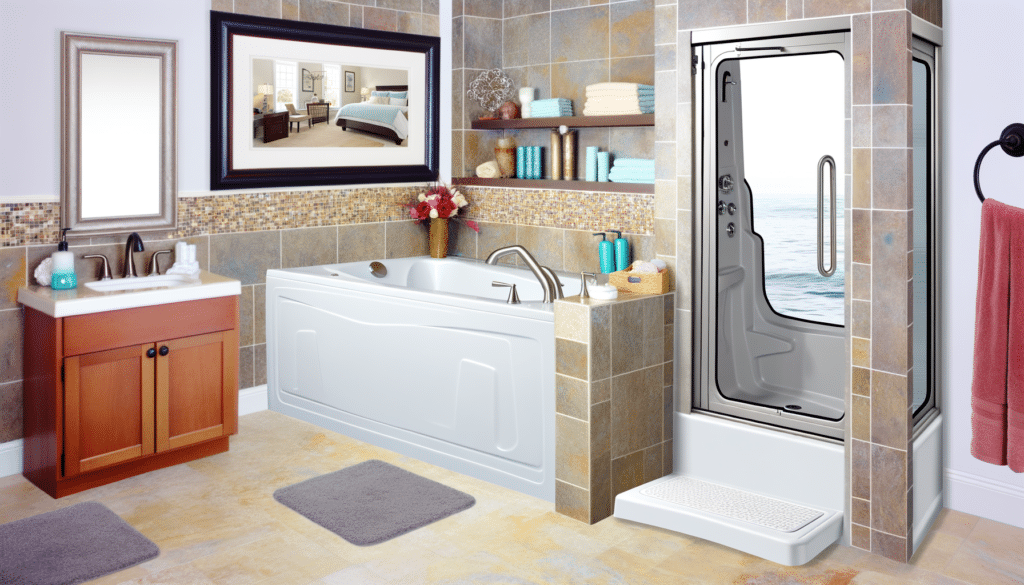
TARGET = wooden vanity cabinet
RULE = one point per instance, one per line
(142, 389)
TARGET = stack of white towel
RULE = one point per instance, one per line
(551, 108)
(618, 99)
(632, 170)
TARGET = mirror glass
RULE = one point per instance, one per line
(118, 131)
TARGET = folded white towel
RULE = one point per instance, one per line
(619, 85)
(622, 112)
(618, 92)
(488, 170)
(607, 101)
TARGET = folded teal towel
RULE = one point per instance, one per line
(550, 101)
(630, 180)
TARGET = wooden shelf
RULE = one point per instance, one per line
(570, 121)
(604, 186)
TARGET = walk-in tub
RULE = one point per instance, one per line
(428, 360)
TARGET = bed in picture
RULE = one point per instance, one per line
(384, 115)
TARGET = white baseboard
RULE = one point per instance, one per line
(980, 496)
(250, 400)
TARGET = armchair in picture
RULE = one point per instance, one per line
(294, 117)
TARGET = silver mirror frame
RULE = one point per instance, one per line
(73, 46)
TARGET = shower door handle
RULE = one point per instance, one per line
(832, 217)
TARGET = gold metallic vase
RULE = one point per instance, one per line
(438, 237)
(569, 156)
(556, 156)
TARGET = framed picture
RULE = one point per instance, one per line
(307, 80)
(242, 48)
(350, 81)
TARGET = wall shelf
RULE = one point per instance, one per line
(603, 187)
(570, 121)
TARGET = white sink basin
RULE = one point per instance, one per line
(141, 282)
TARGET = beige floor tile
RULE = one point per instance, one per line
(954, 522)
(992, 554)
(935, 551)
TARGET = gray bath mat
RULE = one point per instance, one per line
(372, 501)
(70, 545)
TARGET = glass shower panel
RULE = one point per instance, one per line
(793, 115)
(922, 188)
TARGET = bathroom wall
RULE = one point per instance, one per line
(239, 234)
(880, 466)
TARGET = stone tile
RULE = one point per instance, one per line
(245, 367)
(862, 282)
(861, 418)
(861, 319)
(665, 33)
(685, 191)
(515, 42)
(259, 313)
(860, 486)
(222, 5)
(889, 546)
(431, 26)
(627, 472)
(862, 382)
(889, 476)
(309, 247)
(665, 230)
(633, 69)
(572, 462)
(891, 127)
(632, 28)
(861, 127)
(538, 51)
(890, 415)
(818, 8)
(245, 316)
(991, 554)
(324, 11)
(409, 22)
(458, 48)
(860, 537)
(600, 391)
(515, 8)
(665, 197)
(570, 80)
(890, 346)
(493, 236)
(405, 5)
(11, 408)
(630, 143)
(245, 256)
(270, 8)
(861, 352)
(767, 11)
(572, 501)
(891, 184)
(930, 10)
(666, 457)
(581, 252)
(360, 242)
(571, 358)
(861, 236)
(380, 19)
(861, 178)
(890, 68)
(259, 361)
(702, 14)
(11, 345)
(653, 320)
(601, 505)
(544, 243)
(583, 34)
(861, 64)
(485, 8)
(432, 7)
(478, 144)
(403, 239)
(356, 16)
(669, 353)
(860, 511)
(572, 397)
(572, 321)
(601, 429)
(13, 274)
(794, 10)
(652, 463)
(627, 342)
(600, 342)
(481, 49)
(953, 522)
(637, 411)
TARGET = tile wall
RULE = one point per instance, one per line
(614, 399)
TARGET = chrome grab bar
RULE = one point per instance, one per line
(832, 217)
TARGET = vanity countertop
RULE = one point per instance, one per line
(83, 300)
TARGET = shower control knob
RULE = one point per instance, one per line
(732, 209)
(725, 183)
(730, 229)
(721, 208)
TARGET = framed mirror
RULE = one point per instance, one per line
(302, 104)
(118, 108)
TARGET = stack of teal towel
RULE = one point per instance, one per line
(632, 170)
(551, 108)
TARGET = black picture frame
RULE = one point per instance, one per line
(307, 80)
(350, 81)
(226, 27)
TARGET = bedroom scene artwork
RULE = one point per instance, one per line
(289, 110)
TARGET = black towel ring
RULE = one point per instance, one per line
(1012, 141)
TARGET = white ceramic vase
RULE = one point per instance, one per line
(525, 97)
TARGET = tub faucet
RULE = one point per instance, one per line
(545, 282)
(134, 244)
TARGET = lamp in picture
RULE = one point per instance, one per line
(365, 92)
(266, 89)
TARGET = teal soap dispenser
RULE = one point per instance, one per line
(604, 254)
(621, 245)
(63, 277)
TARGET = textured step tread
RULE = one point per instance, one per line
(733, 503)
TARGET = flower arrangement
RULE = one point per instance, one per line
(439, 202)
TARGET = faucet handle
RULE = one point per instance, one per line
(584, 293)
(154, 266)
(513, 296)
(106, 265)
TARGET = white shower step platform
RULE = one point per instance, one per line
(783, 532)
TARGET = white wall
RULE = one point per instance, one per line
(983, 88)
(30, 65)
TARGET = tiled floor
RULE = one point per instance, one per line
(216, 522)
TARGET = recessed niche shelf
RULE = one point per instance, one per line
(603, 186)
(570, 121)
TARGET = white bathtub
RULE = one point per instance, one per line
(428, 361)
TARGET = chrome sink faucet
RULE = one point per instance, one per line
(538, 271)
(134, 244)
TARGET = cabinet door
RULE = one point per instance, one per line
(196, 389)
(108, 408)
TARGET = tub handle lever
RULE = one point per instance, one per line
(584, 293)
(513, 296)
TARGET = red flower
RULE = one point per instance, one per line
(422, 210)
(446, 207)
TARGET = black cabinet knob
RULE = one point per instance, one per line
(164, 350)
(150, 353)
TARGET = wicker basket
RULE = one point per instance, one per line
(648, 283)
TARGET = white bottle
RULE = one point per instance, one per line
(63, 277)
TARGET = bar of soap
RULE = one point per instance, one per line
(603, 292)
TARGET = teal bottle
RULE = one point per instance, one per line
(604, 254)
(621, 244)
(63, 276)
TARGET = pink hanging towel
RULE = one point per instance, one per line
(997, 394)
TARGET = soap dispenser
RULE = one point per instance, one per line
(621, 245)
(604, 254)
(63, 277)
